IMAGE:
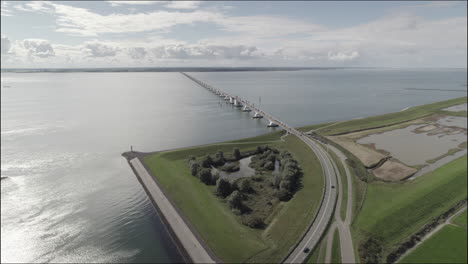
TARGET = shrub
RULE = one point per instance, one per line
(276, 181)
(253, 222)
(236, 154)
(271, 157)
(245, 185)
(205, 176)
(194, 168)
(235, 200)
(285, 185)
(191, 158)
(223, 187)
(214, 177)
(236, 211)
(219, 159)
(207, 161)
(269, 165)
(283, 195)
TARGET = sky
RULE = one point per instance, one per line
(69, 34)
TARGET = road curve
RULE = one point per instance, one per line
(322, 218)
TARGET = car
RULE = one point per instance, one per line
(333, 186)
(306, 250)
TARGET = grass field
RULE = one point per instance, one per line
(336, 248)
(218, 226)
(391, 118)
(344, 183)
(448, 245)
(460, 219)
(392, 212)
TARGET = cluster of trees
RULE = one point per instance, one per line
(265, 158)
(287, 181)
(202, 170)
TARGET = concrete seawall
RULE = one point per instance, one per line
(186, 238)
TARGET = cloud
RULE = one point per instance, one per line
(183, 52)
(96, 49)
(119, 3)
(38, 48)
(343, 56)
(5, 45)
(167, 4)
(182, 4)
(137, 53)
(5, 11)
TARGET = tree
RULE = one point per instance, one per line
(195, 168)
(236, 154)
(253, 222)
(207, 161)
(269, 165)
(285, 185)
(235, 200)
(205, 176)
(214, 177)
(245, 186)
(276, 181)
(219, 159)
(284, 195)
(191, 158)
(223, 187)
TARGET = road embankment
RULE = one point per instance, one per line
(192, 247)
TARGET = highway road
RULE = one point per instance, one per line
(325, 213)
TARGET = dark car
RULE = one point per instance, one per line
(306, 250)
(333, 186)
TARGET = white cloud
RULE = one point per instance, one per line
(38, 48)
(5, 45)
(182, 4)
(96, 49)
(342, 56)
(167, 4)
(137, 53)
(5, 10)
(119, 3)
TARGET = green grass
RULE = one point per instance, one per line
(448, 245)
(218, 226)
(310, 127)
(460, 219)
(344, 183)
(336, 248)
(391, 118)
(392, 212)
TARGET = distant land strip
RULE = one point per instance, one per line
(169, 69)
(442, 90)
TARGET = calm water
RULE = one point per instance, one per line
(70, 197)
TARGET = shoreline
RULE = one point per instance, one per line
(189, 244)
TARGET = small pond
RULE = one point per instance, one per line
(244, 170)
(415, 148)
(456, 108)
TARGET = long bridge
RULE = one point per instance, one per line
(319, 224)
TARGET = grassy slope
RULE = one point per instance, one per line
(336, 248)
(391, 118)
(230, 240)
(344, 182)
(448, 245)
(392, 212)
(460, 219)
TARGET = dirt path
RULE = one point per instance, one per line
(430, 234)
